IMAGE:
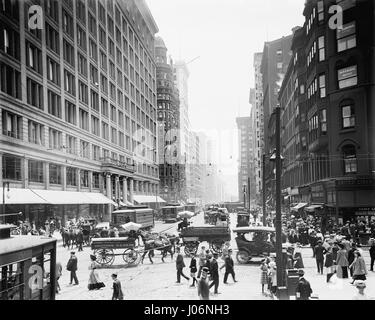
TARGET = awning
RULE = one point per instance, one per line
(22, 196)
(72, 197)
(147, 199)
(299, 206)
(313, 207)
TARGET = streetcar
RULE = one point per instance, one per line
(137, 214)
(192, 207)
(171, 211)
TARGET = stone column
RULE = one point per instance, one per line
(1, 167)
(90, 181)
(136, 189)
(124, 190)
(117, 189)
(63, 177)
(25, 173)
(108, 186)
(131, 190)
(78, 179)
(46, 175)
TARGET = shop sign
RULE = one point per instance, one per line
(356, 182)
(366, 211)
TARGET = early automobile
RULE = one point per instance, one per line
(254, 242)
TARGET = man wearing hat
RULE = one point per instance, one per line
(229, 267)
(72, 267)
(117, 291)
(372, 253)
(360, 285)
(203, 287)
(319, 252)
(303, 291)
(214, 272)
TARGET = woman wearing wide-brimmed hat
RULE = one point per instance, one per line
(342, 262)
(94, 281)
(359, 267)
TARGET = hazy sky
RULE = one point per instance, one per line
(225, 34)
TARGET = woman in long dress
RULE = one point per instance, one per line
(94, 280)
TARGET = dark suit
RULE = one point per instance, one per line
(372, 256)
(117, 291)
(214, 272)
(180, 265)
(319, 252)
(72, 266)
(229, 269)
(304, 289)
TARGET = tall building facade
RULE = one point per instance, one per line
(275, 60)
(168, 124)
(259, 123)
(78, 107)
(335, 122)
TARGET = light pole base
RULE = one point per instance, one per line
(282, 293)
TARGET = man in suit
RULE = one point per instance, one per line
(303, 291)
(180, 265)
(72, 266)
(319, 252)
(117, 291)
(229, 263)
(351, 256)
(214, 273)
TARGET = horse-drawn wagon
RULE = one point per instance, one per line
(215, 236)
(104, 250)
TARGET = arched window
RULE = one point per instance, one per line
(350, 159)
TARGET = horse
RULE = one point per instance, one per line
(69, 237)
(162, 244)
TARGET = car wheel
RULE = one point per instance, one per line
(243, 257)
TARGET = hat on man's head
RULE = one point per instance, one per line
(216, 255)
(360, 284)
(205, 269)
(72, 252)
(114, 275)
(301, 273)
(92, 257)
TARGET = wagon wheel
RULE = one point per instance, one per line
(130, 256)
(243, 257)
(191, 248)
(217, 246)
(104, 256)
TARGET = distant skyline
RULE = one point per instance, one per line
(224, 35)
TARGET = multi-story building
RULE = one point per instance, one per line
(78, 107)
(168, 124)
(246, 157)
(337, 176)
(275, 60)
(259, 123)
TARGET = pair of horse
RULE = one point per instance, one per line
(163, 243)
(74, 236)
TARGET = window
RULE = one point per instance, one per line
(95, 126)
(81, 11)
(322, 86)
(94, 75)
(121, 138)
(348, 116)
(36, 133)
(92, 25)
(68, 53)
(70, 112)
(113, 113)
(71, 176)
(81, 38)
(55, 139)
(12, 124)
(321, 46)
(113, 135)
(112, 91)
(9, 41)
(34, 93)
(84, 149)
(103, 60)
(320, 10)
(111, 48)
(83, 93)
(101, 10)
(12, 167)
(104, 83)
(102, 37)
(53, 71)
(112, 70)
(69, 82)
(95, 180)
(83, 119)
(68, 24)
(105, 111)
(10, 81)
(323, 122)
(93, 50)
(54, 174)
(350, 159)
(346, 37)
(52, 39)
(347, 77)
(54, 104)
(82, 65)
(110, 25)
(71, 144)
(94, 100)
(95, 153)
(105, 131)
(121, 119)
(36, 172)
(84, 175)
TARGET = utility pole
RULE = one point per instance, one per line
(248, 191)
(264, 189)
(279, 253)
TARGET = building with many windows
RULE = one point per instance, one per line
(78, 107)
(328, 96)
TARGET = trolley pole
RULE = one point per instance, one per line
(264, 189)
(279, 253)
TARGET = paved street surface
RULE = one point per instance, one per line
(157, 281)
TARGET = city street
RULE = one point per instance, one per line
(157, 281)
